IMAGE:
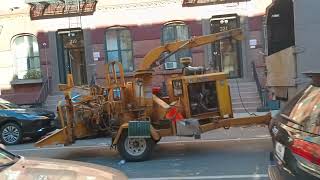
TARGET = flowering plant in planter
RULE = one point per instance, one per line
(33, 74)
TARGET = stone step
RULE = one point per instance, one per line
(240, 80)
(246, 99)
(244, 89)
(249, 83)
(243, 94)
(242, 85)
(53, 101)
(249, 96)
(242, 110)
(246, 104)
(55, 97)
(52, 107)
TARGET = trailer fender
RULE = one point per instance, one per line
(154, 134)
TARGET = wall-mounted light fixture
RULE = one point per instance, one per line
(1, 27)
(14, 8)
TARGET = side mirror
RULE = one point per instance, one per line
(2, 146)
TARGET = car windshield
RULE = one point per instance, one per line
(6, 158)
(305, 114)
(8, 104)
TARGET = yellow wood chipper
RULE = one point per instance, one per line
(136, 118)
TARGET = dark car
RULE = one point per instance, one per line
(295, 133)
(17, 122)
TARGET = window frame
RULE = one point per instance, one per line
(118, 29)
(28, 58)
(175, 24)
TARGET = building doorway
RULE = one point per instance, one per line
(226, 53)
(71, 56)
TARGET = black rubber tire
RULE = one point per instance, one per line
(19, 139)
(128, 157)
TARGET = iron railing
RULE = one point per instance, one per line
(261, 90)
(44, 92)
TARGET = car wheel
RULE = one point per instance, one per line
(135, 149)
(11, 133)
(274, 173)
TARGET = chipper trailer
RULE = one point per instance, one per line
(197, 102)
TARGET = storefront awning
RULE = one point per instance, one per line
(44, 9)
(209, 2)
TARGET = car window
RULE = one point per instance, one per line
(11, 105)
(6, 157)
(7, 105)
(307, 110)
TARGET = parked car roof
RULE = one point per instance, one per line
(53, 169)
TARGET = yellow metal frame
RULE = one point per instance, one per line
(222, 87)
(154, 134)
(130, 106)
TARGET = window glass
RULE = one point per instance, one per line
(26, 52)
(176, 32)
(113, 56)
(112, 41)
(169, 34)
(35, 47)
(307, 110)
(6, 157)
(33, 62)
(126, 57)
(119, 47)
(125, 39)
(182, 32)
(172, 58)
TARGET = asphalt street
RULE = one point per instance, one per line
(238, 153)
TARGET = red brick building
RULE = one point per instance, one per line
(42, 42)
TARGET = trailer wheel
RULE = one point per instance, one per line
(274, 173)
(135, 149)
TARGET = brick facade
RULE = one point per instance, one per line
(144, 38)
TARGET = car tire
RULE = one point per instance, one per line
(274, 173)
(10, 134)
(135, 149)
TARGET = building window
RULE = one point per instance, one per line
(171, 32)
(119, 47)
(26, 53)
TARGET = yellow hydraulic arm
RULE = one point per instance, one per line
(153, 55)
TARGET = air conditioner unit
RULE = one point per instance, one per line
(170, 65)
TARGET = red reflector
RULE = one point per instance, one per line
(307, 150)
(156, 90)
(174, 115)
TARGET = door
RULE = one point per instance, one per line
(226, 53)
(71, 57)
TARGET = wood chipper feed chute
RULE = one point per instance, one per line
(71, 128)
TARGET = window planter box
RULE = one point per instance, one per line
(26, 81)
